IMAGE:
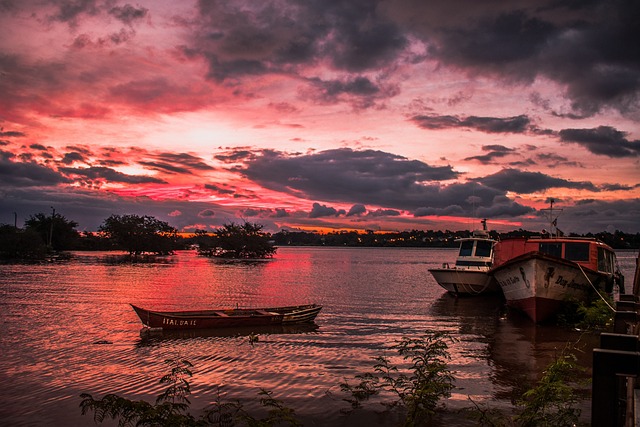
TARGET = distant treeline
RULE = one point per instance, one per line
(413, 238)
(46, 234)
(426, 238)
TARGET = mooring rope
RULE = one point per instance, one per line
(594, 288)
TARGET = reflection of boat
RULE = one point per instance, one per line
(281, 329)
(469, 274)
(472, 316)
(521, 351)
(228, 318)
(537, 274)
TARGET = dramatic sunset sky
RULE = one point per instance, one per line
(322, 114)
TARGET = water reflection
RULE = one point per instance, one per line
(153, 337)
(520, 351)
(67, 328)
(517, 350)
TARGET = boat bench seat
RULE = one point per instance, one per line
(266, 313)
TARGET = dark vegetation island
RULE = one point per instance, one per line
(45, 235)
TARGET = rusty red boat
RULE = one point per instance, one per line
(227, 317)
(538, 274)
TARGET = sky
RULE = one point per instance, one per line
(322, 115)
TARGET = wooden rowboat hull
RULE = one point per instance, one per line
(227, 318)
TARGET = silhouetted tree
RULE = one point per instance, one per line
(237, 241)
(55, 230)
(20, 244)
(140, 234)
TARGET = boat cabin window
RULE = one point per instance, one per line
(576, 251)
(466, 248)
(483, 248)
(554, 249)
(606, 260)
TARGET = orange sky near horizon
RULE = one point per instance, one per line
(388, 116)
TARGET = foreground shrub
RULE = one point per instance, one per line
(427, 378)
(172, 406)
(595, 315)
(552, 401)
(550, 404)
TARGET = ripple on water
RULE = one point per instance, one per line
(68, 328)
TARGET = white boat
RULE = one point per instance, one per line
(537, 274)
(469, 275)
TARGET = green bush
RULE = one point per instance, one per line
(418, 390)
(551, 403)
(172, 406)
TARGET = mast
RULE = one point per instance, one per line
(553, 222)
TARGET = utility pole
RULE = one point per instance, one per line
(53, 216)
(15, 220)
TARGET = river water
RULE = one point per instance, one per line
(67, 328)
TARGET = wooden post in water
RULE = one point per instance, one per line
(617, 358)
(635, 392)
(636, 278)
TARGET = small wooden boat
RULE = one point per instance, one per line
(228, 317)
(469, 275)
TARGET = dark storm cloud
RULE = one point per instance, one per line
(383, 213)
(71, 157)
(180, 163)
(357, 209)
(235, 155)
(530, 182)
(11, 133)
(280, 213)
(590, 215)
(166, 167)
(603, 140)
(372, 177)
(619, 187)
(218, 189)
(111, 175)
(319, 211)
(470, 199)
(584, 46)
(344, 175)
(358, 91)
(26, 174)
(188, 160)
(70, 10)
(518, 124)
(503, 207)
(128, 14)
(207, 213)
(282, 36)
(553, 160)
(117, 38)
(497, 40)
(356, 86)
(493, 152)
